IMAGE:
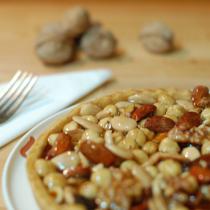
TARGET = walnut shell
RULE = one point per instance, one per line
(157, 38)
(53, 46)
(76, 21)
(55, 51)
(98, 43)
(51, 31)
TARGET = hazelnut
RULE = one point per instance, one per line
(52, 46)
(76, 21)
(98, 43)
(157, 38)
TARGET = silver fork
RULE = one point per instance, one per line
(15, 93)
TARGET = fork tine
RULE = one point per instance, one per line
(23, 84)
(12, 90)
(11, 83)
(12, 109)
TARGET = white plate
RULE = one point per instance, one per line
(16, 187)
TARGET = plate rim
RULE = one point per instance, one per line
(5, 174)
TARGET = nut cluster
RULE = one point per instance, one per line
(57, 42)
(147, 148)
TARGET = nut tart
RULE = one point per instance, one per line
(133, 150)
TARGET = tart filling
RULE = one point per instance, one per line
(135, 150)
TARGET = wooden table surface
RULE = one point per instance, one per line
(187, 66)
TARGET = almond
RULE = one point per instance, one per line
(189, 120)
(159, 124)
(97, 153)
(143, 111)
(201, 96)
(63, 143)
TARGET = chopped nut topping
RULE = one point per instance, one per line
(145, 151)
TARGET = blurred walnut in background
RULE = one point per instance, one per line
(98, 42)
(53, 46)
(57, 43)
(157, 37)
(76, 21)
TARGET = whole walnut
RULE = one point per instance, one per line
(98, 43)
(157, 38)
(51, 31)
(76, 21)
(53, 47)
